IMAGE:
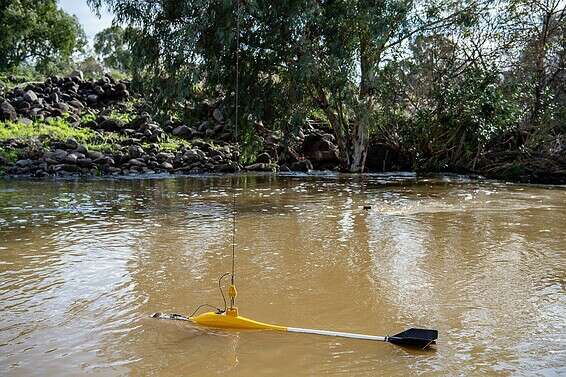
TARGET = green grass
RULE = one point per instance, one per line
(172, 144)
(125, 117)
(85, 118)
(60, 130)
(54, 129)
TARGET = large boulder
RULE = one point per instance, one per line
(182, 131)
(7, 111)
(321, 151)
(30, 96)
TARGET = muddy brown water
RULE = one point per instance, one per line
(83, 264)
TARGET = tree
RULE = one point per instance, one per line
(325, 54)
(112, 47)
(538, 29)
(36, 31)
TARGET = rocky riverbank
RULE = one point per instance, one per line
(71, 126)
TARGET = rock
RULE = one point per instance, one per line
(71, 158)
(62, 106)
(66, 167)
(204, 126)
(81, 150)
(30, 96)
(22, 106)
(58, 155)
(263, 158)
(192, 155)
(7, 111)
(92, 99)
(166, 165)
(226, 168)
(95, 155)
(218, 116)
(225, 136)
(218, 128)
(71, 143)
(217, 159)
(111, 125)
(165, 156)
(84, 162)
(302, 165)
(77, 74)
(288, 156)
(284, 169)
(24, 163)
(320, 150)
(259, 167)
(182, 131)
(54, 97)
(56, 113)
(104, 160)
(136, 162)
(76, 104)
(135, 151)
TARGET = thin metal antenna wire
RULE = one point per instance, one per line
(236, 137)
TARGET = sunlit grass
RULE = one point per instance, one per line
(172, 144)
(54, 129)
(58, 130)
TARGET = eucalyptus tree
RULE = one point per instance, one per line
(293, 53)
(38, 32)
(112, 47)
(538, 28)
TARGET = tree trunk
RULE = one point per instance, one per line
(360, 143)
(352, 141)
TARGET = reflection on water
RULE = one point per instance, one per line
(83, 263)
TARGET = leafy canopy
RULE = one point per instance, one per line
(113, 49)
(37, 32)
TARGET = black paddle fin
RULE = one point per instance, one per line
(421, 338)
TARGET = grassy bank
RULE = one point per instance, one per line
(18, 139)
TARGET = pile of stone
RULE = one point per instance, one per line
(71, 158)
(59, 96)
(212, 145)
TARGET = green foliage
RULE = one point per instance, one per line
(91, 68)
(37, 32)
(21, 74)
(10, 155)
(112, 47)
(250, 147)
(442, 80)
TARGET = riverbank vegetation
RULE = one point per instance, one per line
(471, 86)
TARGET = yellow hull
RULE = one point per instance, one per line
(231, 320)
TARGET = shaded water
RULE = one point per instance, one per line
(82, 264)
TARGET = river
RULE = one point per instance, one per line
(84, 263)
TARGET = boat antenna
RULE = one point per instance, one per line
(232, 290)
